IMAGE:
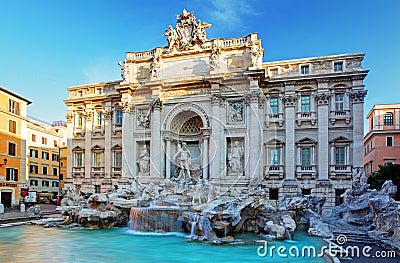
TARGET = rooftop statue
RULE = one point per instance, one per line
(187, 32)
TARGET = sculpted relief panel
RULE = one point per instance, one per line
(143, 118)
(235, 112)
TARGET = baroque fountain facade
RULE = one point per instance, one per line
(202, 136)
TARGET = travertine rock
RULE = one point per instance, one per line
(319, 228)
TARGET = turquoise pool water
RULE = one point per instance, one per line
(38, 244)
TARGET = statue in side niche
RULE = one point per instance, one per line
(235, 158)
(144, 160)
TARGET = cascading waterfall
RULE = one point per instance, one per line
(288, 235)
(194, 219)
(154, 219)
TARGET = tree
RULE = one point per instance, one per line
(386, 172)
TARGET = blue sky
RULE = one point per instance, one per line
(47, 46)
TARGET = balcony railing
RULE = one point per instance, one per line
(340, 113)
(306, 116)
(274, 118)
(117, 128)
(78, 169)
(336, 115)
(116, 172)
(79, 130)
(78, 172)
(97, 169)
(340, 170)
(306, 171)
(274, 172)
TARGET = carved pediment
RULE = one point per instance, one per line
(274, 142)
(340, 139)
(77, 149)
(306, 141)
(116, 147)
(97, 148)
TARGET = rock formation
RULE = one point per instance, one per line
(169, 206)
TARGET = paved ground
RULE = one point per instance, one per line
(15, 212)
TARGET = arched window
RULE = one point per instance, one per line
(388, 118)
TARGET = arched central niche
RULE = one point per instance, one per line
(187, 124)
(186, 129)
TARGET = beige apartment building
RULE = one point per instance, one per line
(44, 143)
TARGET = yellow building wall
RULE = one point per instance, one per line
(18, 138)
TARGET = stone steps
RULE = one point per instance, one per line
(354, 237)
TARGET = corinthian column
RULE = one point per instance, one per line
(106, 182)
(289, 101)
(87, 181)
(254, 136)
(70, 135)
(107, 137)
(215, 143)
(322, 100)
(205, 160)
(155, 144)
(128, 165)
(357, 96)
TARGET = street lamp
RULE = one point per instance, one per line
(5, 162)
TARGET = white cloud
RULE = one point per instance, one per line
(230, 14)
(102, 70)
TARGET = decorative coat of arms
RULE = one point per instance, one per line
(187, 32)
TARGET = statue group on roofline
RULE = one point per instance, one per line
(187, 32)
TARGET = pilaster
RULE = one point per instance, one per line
(107, 137)
(322, 100)
(254, 133)
(70, 128)
(289, 100)
(215, 147)
(358, 127)
(205, 157)
(128, 165)
(155, 144)
(87, 181)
